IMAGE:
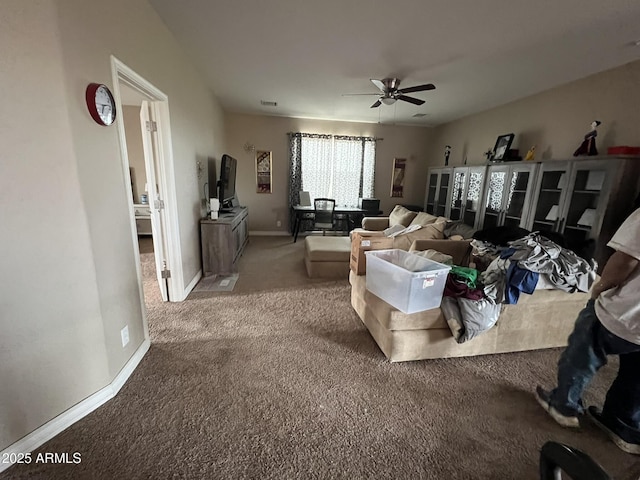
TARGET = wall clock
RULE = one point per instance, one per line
(101, 104)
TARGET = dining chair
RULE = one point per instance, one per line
(324, 214)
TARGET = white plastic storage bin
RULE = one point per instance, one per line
(407, 281)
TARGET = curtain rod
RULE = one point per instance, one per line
(377, 139)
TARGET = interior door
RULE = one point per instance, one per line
(148, 114)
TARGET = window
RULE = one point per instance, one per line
(329, 166)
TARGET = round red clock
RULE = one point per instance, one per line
(101, 104)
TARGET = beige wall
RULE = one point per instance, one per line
(270, 133)
(555, 121)
(69, 280)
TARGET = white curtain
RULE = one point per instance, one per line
(317, 166)
(339, 167)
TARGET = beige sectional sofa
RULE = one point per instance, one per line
(542, 320)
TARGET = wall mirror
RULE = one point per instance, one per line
(397, 178)
(263, 171)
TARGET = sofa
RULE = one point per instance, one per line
(541, 320)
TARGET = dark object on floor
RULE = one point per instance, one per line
(557, 457)
(501, 236)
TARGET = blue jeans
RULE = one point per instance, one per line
(586, 352)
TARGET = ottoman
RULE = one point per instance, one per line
(327, 257)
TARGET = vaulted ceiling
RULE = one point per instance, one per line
(304, 55)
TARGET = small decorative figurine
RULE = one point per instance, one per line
(588, 145)
(489, 154)
(447, 152)
(531, 154)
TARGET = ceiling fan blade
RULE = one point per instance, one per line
(358, 94)
(418, 88)
(377, 104)
(379, 84)
(415, 101)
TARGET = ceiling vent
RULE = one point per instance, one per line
(418, 115)
(269, 104)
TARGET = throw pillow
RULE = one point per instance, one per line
(436, 256)
(428, 232)
(401, 216)
(424, 218)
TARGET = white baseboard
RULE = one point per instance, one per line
(80, 410)
(192, 285)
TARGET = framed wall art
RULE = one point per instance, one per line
(263, 171)
(397, 177)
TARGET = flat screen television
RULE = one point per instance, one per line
(227, 182)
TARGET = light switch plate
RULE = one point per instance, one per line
(124, 334)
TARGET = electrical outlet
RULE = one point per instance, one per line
(278, 223)
(124, 334)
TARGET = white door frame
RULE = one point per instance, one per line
(165, 177)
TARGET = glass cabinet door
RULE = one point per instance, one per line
(494, 198)
(584, 210)
(508, 195)
(456, 206)
(466, 194)
(443, 193)
(432, 190)
(473, 196)
(515, 206)
(549, 197)
(437, 195)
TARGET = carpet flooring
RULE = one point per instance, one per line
(279, 379)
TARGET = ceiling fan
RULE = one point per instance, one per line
(391, 92)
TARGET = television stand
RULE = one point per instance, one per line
(223, 241)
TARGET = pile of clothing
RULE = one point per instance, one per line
(472, 302)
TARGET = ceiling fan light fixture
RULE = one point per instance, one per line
(388, 100)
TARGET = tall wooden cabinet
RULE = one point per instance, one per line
(223, 241)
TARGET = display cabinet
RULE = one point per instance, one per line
(438, 191)
(585, 199)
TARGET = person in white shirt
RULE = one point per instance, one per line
(608, 325)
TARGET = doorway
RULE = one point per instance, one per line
(148, 174)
